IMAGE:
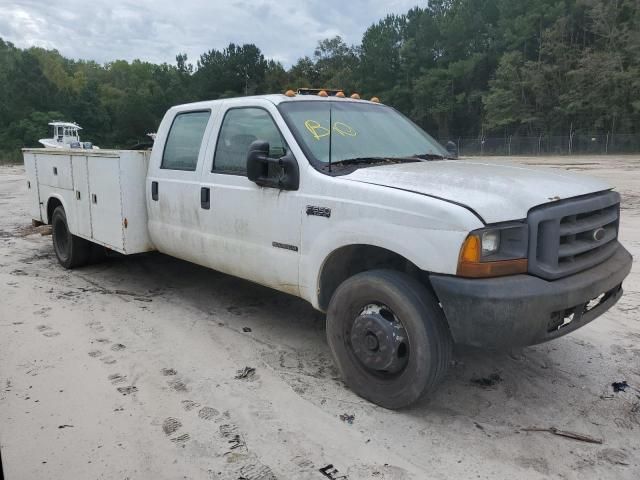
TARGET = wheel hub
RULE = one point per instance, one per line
(379, 340)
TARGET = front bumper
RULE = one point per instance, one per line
(521, 310)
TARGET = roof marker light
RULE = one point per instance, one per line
(340, 94)
(375, 99)
(355, 96)
(322, 93)
(290, 93)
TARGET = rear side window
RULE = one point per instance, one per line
(184, 140)
(240, 128)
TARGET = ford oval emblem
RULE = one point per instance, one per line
(598, 234)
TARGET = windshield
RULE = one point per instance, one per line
(359, 131)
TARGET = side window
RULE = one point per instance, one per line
(240, 128)
(183, 143)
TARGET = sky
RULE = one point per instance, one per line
(157, 30)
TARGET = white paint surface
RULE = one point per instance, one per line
(497, 192)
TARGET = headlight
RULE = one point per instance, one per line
(490, 242)
(494, 251)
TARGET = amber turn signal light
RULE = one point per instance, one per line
(471, 249)
(470, 266)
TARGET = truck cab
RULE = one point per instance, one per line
(349, 205)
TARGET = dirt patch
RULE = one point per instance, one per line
(184, 349)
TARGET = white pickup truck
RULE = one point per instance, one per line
(349, 205)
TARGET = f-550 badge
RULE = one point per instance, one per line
(318, 211)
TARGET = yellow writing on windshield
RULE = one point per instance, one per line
(344, 129)
(318, 131)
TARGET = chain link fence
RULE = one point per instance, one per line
(575, 144)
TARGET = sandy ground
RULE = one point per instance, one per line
(125, 370)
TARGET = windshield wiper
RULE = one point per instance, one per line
(370, 160)
(430, 156)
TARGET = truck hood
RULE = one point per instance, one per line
(497, 192)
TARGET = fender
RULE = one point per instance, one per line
(58, 195)
(429, 255)
(426, 231)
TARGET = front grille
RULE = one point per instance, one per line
(572, 235)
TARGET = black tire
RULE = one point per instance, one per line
(420, 352)
(71, 251)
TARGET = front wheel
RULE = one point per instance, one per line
(388, 336)
(71, 251)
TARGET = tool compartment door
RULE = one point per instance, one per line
(82, 209)
(105, 201)
(54, 170)
(33, 187)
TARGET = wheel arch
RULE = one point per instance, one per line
(53, 202)
(349, 260)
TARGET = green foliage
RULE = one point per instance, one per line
(457, 67)
(579, 71)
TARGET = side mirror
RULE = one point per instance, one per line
(279, 173)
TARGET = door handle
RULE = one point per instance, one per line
(205, 198)
(154, 191)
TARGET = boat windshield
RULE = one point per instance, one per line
(70, 132)
(358, 131)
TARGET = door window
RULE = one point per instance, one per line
(240, 128)
(183, 143)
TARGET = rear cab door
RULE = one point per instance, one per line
(173, 180)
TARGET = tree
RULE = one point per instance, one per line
(456, 67)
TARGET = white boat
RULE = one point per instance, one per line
(65, 135)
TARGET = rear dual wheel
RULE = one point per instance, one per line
(71, 250)
(389, 337)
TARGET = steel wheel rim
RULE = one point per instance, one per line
(378, 341)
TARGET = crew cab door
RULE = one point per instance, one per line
(252, 232)
(173, 183)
